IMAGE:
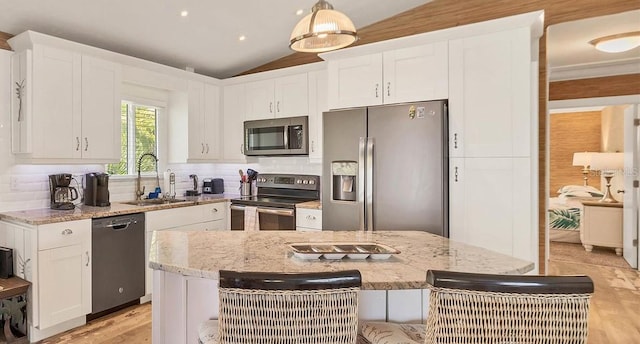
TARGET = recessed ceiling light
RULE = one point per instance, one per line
(242, 38)
(617, 43)
(184, 13)
(299, 12)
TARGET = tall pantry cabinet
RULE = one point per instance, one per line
(492, 143)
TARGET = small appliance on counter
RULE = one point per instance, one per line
(62, 195)
(212, 186)
(96, 189)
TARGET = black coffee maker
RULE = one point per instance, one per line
(96, 189)
(62, 195)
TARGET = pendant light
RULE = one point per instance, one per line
(323, 30)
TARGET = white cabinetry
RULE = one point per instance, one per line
(205, 217)
(490, 95)
(403, 75)
(281, 97)
(491, 204)
(308, 219)
(317, 105)
(56, 259)
(69, 108)
(493, 119)
(204, 122)
(233, 123)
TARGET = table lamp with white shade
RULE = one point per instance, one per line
(608, 164)
(583, 159)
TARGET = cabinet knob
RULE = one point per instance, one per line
(388, 88)
(620, 191)
(455, 140)
(377, 86)
(88, 258)
(311, 217)
(270, 107)
(214, 210)
(67, 231)
(202, 151)
(86, 144)
(242, 148)
(278, 106)
(455, 174)
(312, 149)
(206, 144)
(77, 143)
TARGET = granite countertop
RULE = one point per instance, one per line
(310, 205)
(203, 254)
(46, 215)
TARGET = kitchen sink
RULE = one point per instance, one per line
(154, 201)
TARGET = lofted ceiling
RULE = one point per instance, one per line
(207, 38)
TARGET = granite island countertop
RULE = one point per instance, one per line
(81, 212)
(203, 254)
(310, 205)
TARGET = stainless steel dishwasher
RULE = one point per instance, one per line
(118, 272)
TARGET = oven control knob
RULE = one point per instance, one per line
(299, 181)
(305, 182)
(312, 182)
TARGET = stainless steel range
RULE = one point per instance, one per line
(276, 200)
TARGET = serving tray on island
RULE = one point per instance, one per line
(340, 250)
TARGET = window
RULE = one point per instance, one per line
(139, 136)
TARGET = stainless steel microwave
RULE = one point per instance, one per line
(278, 136)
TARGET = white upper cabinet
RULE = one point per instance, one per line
(490, 110)
(101, 131)
(416, 74)
(355, 81)
(69, 106)
(402, 75)
(281, 97)
(317, 105)
(204, 122)
(233, 123)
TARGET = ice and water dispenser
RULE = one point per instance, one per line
(344, 175)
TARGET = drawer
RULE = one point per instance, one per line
(309, 218)
(214, 211)
(63, 234)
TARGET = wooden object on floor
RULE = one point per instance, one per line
(13, 287)
(601, 225)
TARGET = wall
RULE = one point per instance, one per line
(570, 133)
(613, 128)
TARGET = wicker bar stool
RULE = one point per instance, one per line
(480, 308)
(279, 308)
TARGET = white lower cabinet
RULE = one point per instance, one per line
(56, 259)
(205, 217)
(308, 219)
(490, 205)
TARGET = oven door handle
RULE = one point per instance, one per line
(266, 210)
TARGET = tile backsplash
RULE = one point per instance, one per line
(26, 186)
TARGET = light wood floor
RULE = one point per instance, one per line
(614, 314)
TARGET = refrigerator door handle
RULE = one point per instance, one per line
(369, 187)
(361, 180)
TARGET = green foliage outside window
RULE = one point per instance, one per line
(139, 126)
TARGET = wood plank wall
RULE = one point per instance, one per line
(618, 85)
(3, 40)
(442, 14)
(570, 133)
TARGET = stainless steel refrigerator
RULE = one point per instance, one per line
(386, 168)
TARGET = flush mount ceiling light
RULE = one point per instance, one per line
(323, 30)
(617, 43)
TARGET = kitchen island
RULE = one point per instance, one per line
(186, 266)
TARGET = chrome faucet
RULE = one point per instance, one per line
(140, 192)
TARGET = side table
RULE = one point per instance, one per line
(13, 310)
(601, 225)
